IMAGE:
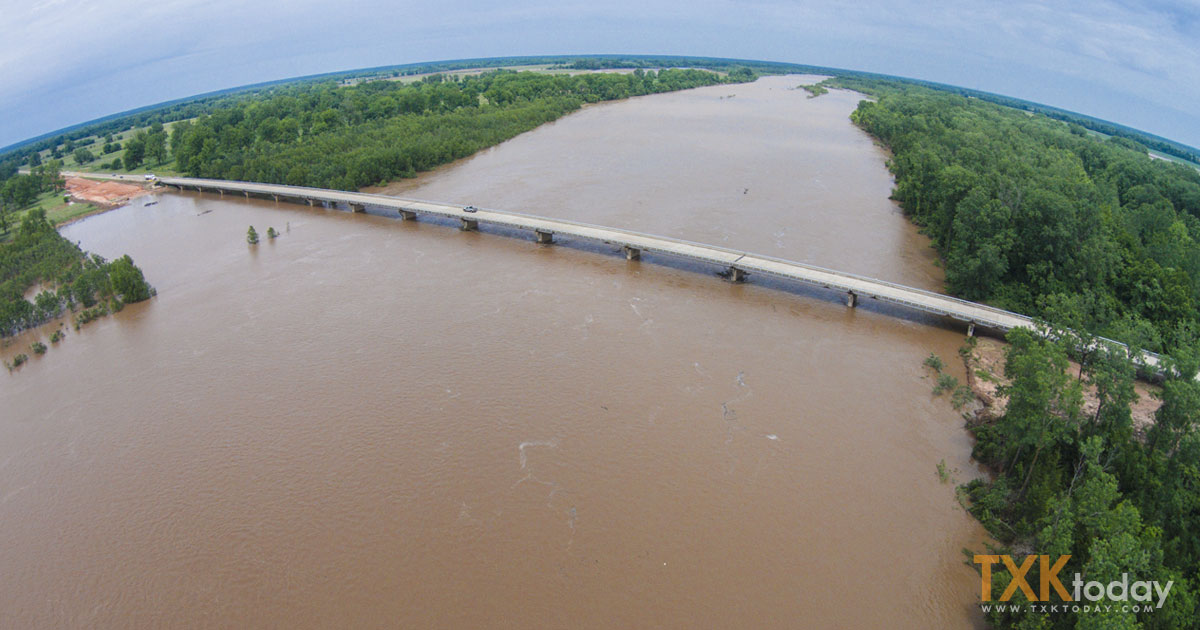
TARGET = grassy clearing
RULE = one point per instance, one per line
(96, 143)
(58, 210)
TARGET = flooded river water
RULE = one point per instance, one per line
(376, 423)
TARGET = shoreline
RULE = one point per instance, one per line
(985, 376)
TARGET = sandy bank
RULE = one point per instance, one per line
(985, 377)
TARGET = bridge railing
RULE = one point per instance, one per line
(938, 303)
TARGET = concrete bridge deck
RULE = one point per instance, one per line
(738, 264)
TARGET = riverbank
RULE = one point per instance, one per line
(985, 362)
(567, 425)
(95, 197)
(107, 193)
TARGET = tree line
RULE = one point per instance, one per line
(346, 138)
(1037, 216)
(1084, 481)
(70, 278)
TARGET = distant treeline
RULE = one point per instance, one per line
(326, 136)
(1146, 140)
(191, 107)
(1039, 217)
(70, 278)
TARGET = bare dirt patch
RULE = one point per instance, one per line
(107, 194)
(985, 377)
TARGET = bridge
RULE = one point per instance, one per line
(737, 264)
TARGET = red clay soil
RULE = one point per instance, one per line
(104, 193)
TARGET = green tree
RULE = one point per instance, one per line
(156, 145)
(52, 175)
(1043, 400)
(127, 280)
(1176, 418)
(135, 150)
(83, 155)
(252, 236)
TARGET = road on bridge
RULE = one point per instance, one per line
(736, 263)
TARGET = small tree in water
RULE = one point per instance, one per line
(252, 236)
(271, 233)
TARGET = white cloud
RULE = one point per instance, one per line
(1127, 52)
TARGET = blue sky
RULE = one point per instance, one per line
(69, 61)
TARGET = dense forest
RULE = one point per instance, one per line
(1148, 140)
(191, 107)
(69, 278)
(307, 133)
(1080, 481)
(1037, 216)
(348, 137)
(184, 109)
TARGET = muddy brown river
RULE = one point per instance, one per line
(376, 423)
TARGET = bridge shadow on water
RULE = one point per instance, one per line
(649, 260)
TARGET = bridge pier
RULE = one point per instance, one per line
(971, 329)
(276, 198)
(851, 299)
(632, 253)
(543, 237)
(736, 275)
(315, 202)
(247, 193)
(357, 207)
(407, 215)
(469, 225)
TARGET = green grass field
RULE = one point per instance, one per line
(96, 143)
(58, 211)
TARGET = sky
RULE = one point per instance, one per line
(64, 62)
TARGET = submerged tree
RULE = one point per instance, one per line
(128, 281)
(271, 233)
(252, 236)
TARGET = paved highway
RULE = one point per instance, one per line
(738, 264)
